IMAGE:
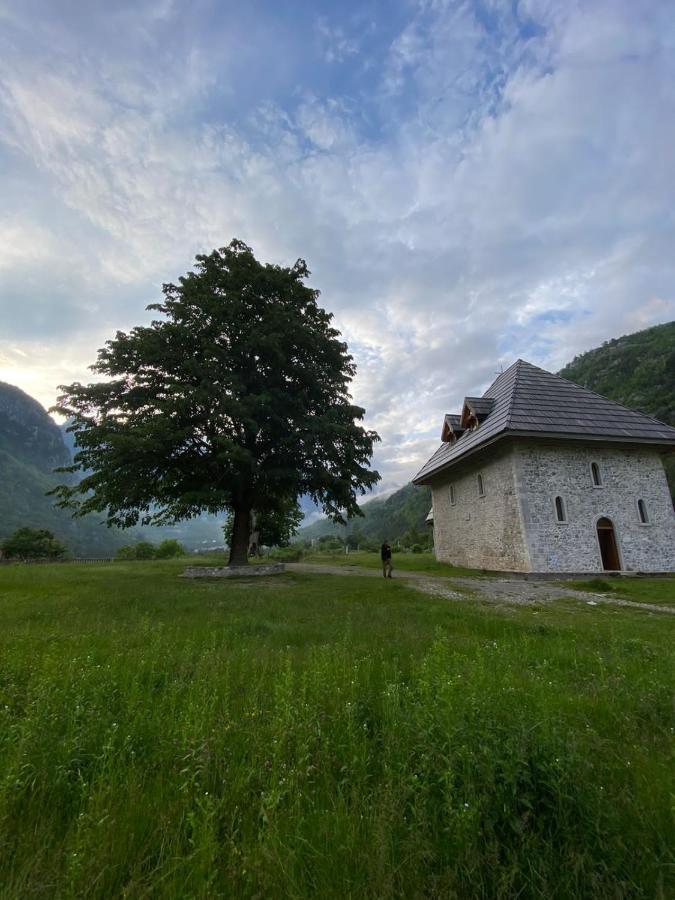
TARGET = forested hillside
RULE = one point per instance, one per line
(403, 512)
(637, 370)
(31, 447)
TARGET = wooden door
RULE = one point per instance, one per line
(609, 550)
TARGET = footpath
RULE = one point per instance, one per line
(490, 589)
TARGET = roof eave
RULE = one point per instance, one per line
(664, 444)
(442, 468)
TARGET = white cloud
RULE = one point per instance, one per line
(515, 199)
(336, 46)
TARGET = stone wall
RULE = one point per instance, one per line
(480, 532)
(513, 527)
(544, 471)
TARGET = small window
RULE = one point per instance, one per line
(560, 511)
(481, 487)
(595, 475)
(642, 512)
(452, 495)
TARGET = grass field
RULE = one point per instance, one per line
(408, 562)
(640, 590)
(320, 736)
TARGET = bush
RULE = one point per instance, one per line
(145, 550)
(598, 584)
(331, 542)
(141, 550)
(169, 549)
(416, 548)
(286, 554)
(370, 546)
(33, 543)
(128, 551)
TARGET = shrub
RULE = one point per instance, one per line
(416, 548)
(141, 550)
(370, 546)
(331, 542)
(286, 554)
(33, 543)
(598, 584)
(128, 551)
(169, 549)
(145, 550)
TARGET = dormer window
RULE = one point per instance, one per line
(475, 411)
(596, 477)
(452, 429)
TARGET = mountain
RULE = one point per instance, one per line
(390, 517)
(31, 447)
(636, 370)
(28, 433)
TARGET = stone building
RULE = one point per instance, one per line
(541, 475)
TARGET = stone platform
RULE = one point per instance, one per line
(232, 571)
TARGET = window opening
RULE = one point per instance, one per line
(452, 495)
(560, 512)
(481, 487)
(595, 474)
(642, 512)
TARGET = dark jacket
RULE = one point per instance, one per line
(385, 552)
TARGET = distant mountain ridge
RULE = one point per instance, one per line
(32, 445)
(390, 517)
(28, 433)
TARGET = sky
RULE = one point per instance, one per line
(470, 181)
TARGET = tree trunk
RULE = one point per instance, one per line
(240, 535)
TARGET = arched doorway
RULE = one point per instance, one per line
(609, 550)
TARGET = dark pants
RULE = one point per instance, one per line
(386, 568)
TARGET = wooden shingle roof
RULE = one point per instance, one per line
(452, 427)
(481, 407)
(527, 401)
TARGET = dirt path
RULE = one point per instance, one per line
(515, 591)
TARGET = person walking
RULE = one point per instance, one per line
(385, 554)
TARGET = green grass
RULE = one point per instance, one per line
(318, 736)
(638, 589)
(406, 562)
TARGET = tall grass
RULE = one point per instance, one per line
(324, 737)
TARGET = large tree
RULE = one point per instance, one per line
(236, 399)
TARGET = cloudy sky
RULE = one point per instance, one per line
(469, 182)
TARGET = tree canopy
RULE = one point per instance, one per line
(236, 399)
(33, 543)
